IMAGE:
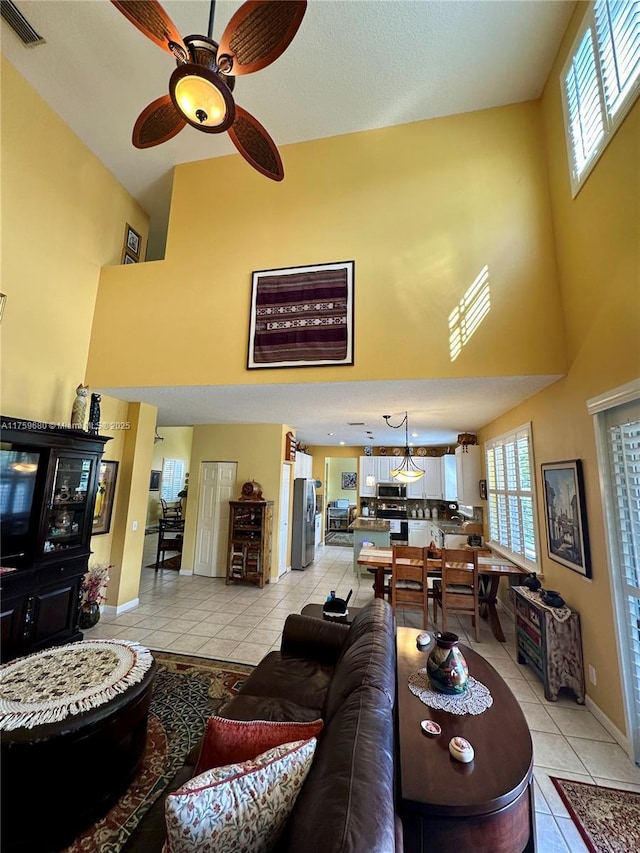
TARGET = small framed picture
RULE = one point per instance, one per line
(132, 241)
(3, 299)
(128, 258)
(349, 480)
(154, 483)
(105, 495)
(483, 489)
(566, 515)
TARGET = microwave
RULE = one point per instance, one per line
(391, 490)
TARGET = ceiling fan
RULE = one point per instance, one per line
(200, 88)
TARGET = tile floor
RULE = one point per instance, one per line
(204, 616)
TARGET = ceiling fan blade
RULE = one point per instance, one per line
(157, 123)
(255, 145)
(258, 33)
(151, 19)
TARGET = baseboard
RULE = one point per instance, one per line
(109, 610)
(613, 730)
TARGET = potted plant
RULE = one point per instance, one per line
(94, 593)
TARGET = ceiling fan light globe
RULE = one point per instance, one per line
(202, 98)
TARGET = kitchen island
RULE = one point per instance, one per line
(374, 531)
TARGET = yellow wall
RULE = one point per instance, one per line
(421, 208)
(599, 264)
(63, 219)
(336, 467)
(259, 451)
(176, 444)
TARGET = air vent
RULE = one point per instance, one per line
(19, 24)
(356, 423)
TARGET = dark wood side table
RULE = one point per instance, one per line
(486, 806)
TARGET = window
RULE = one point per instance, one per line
(172, 479)
(600, 81)
(511, 496)
(617, 427)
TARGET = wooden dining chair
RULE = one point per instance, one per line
(458, 591)
(409, 582)
(173, 511)
(170, 538)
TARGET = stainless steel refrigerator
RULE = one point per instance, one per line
(303, 547)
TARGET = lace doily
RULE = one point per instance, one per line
(51, 685)
(559, 613)
(475, 699)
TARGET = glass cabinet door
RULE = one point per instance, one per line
(68, 504)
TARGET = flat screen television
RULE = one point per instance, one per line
(21, 476)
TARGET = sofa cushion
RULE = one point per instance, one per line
(294, 679)
(267, 708)
(238, 807)
(347, 802)
(232, 741)
(368, 657)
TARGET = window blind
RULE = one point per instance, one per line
(600, 81)
(510, 494)
(172, 479)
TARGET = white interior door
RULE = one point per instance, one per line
(283, 538)
(217, 486)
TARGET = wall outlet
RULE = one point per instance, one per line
(134, 526)
(592, 675)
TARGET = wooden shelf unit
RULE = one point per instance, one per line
(250, 534)
(553, 649)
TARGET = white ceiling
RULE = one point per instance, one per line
(354, 65)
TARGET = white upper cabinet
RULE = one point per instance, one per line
(468, 475)
(449, 477)
(367, 468)
(303, 466)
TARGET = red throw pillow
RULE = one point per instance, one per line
(233, 741)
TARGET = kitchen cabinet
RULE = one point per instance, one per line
(250, 532)
(50, 482)
(468, 474)
(367, 468)
(419, 533)
(429, 486)
(384, 464)
(449, 477)
(303, 466)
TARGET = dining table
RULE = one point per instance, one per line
(491, 568)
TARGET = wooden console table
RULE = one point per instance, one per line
(450, 807)
(552, 648)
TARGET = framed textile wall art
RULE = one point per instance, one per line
(565, 513)
(302, 316)
(104, 497)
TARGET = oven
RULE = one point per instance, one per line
(398, 524)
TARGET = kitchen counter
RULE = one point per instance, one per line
(373, 531)
(380, 525)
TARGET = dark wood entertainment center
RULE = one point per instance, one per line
(49, 481)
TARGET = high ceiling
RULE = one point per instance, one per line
(354, 65)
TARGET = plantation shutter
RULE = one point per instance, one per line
(172, 479)
(510, 494)
(618, 30)
(586, 121)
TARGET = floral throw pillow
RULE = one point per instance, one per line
(238, 808)
(231, 741)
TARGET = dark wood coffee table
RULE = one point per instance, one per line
(486, 806)
(315, 610)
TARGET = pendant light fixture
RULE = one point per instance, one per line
(407, 471)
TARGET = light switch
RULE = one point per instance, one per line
(134, 526)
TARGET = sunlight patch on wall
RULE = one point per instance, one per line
(469, 313)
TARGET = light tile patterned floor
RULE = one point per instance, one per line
(204, 616)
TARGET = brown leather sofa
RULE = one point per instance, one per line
(347, 676)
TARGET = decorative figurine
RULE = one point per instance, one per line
(79, 407)
(461, 749)
(94, 414)
(532, 582)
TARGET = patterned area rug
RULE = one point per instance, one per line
(187, 690)
(338, 538)
(608, 819)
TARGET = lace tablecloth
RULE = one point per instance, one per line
(49, 686)
(475, 700)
